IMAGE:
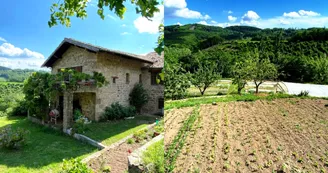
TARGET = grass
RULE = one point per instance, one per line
(44, 152)
(155, 155)
(110, 132)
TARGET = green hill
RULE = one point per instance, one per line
(299, 54)
(4, 68)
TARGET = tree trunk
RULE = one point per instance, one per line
(257, 89)
(239, 90)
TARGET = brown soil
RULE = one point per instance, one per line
(116, 158)
(173, 121)
(289, 135)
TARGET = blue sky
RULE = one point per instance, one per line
(26, 40)
(259, 13)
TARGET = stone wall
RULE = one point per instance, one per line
(115, 66)
(88, 103)
(155, 93)
(75, 56)
(110, 65)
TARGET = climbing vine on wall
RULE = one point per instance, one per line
(41, 89)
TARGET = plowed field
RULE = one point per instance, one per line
(284, 135)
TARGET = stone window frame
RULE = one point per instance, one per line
(153, 76)
(114, 79)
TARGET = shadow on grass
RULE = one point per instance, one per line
(45, 147)
(112, 131)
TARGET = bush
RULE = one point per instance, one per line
(77, 114)
(80, 125)
(153, 157)
(116, 111)
(20, 109)
(13, 139)
(138, 97)
(75, 166)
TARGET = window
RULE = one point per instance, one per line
(140, 78)
(127, 76)
(114, 79)
(154, 76)
(160, 103)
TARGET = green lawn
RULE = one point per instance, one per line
(110, 132)
(44, 151)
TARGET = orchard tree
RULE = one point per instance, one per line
(176, 82)
(204, 76)
(261, 70)
(241, 73)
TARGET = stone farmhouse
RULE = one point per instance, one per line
(122, 70)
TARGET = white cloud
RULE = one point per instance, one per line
(7, 49)
(203, 22)
(123, 25)
(21, 63)
(190, 14)
(179, 9)
(301, 13)
(15, 57)
(284, 22)
(291, 14)
(308, 13)
(2, 39)
(250, 16)
(178, 23)
(175, 3)
(214, 22)
(150, 26)
(232, 19)
(125, 33)
(206, 17)
(306, 19)
(230, 12)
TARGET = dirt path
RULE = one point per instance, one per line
(116, 158)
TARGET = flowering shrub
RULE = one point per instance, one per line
(13, 138)
(80, 124)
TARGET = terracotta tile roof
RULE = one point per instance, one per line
(158, 60)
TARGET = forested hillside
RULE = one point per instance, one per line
(14, 75)
(300, 55)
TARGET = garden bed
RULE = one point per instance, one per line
(116, 158)
(282, 135)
